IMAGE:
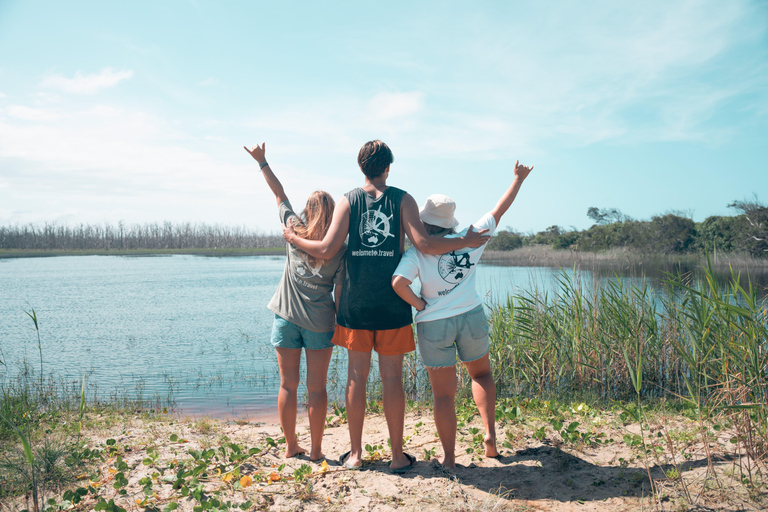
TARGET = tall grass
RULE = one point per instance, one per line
(701, 339)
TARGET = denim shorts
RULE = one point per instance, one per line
(289, 335)
(440, 340)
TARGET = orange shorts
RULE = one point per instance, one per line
(388, 342)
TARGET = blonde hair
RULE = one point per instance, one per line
(315, 221)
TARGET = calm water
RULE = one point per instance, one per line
(189, 329)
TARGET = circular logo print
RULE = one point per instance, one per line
(374, 228)
(454, 267)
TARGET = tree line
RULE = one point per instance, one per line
(671, 233)
(105, 237)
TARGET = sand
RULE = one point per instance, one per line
(530, 474)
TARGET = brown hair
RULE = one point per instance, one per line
(374, 157)
(433, 230)
(315, 221)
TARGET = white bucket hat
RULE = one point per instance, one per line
(438, 210)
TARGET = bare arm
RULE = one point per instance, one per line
(258, 154)
(333, 240)
(402, 287)
(427, 244)
(521, 172)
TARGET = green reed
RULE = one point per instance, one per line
(705, 342)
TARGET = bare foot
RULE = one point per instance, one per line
(350, 462)
(490, 447)
(292, 451)
(314, 457)
(448, 462)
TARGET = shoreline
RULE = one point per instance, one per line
(529, 256)
(45, 253)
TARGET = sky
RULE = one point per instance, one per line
(139, 111)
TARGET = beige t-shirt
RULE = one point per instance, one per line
(305, 294)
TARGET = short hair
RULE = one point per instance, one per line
(374, 157)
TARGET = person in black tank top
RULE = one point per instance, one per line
(371, 316)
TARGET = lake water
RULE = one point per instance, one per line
(187, 329)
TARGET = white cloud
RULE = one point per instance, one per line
(31, 114)
(86, 84)
(392, 105)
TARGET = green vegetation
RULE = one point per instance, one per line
(670, 233)
(702, 347)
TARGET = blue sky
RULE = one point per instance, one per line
(138, 111)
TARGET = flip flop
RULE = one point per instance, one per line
(405, 469)
(347, 465)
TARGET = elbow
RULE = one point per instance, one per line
(423, 246)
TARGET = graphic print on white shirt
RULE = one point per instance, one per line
(454, 267)
(375, 228)
(447, 280)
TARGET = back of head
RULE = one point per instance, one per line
(316, 218)
(374, 157)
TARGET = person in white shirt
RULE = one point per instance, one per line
(450, 318)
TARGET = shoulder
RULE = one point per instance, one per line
(286, 211)
(487, 221)
(397, 192)
(355, 192)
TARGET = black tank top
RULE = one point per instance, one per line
(373, 252)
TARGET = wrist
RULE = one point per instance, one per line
(262, 164)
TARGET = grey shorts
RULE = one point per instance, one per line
(440, 340)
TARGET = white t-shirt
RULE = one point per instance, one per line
(447, 280)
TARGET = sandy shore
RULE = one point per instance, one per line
(530, 474)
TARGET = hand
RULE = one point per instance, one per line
(476, 238)
(521, 171)
(422, 304)
(288, 232)
(257, 152)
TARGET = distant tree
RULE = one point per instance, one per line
(672, 234)
(721, 234)
(505, 241)
(602, 216)
(548, 236)
(756, 215)
(567, 240)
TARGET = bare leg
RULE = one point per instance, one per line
(289, 360)
(317, 374)
(391, 370)
(484, 393)
(357, 378)
(443, 381)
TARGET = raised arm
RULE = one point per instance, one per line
(428, 244)
(521, 172)
(333, 240)
(257, 152)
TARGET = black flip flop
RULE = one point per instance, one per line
(405, 469)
